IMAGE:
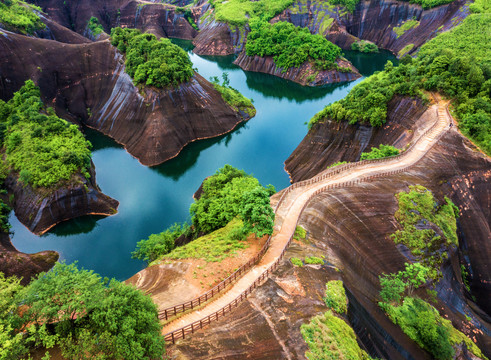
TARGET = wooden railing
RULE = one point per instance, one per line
(191, 328)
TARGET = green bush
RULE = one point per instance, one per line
(240, 12)
(314, 260)
(336, 297)
(290, 46)
(381, 152)
(17, 15)
(46, 151)
(329, 337)
(300, 233)
(158, 245)
(364, 46)
(150, 61)
(350, 5)
(296, 262)
(232, 96)
(95, 26)
(456, 63)
(428, 4)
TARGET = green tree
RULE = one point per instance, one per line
(256, 212)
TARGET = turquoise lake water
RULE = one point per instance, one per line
(151, 199)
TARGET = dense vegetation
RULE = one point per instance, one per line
(336, 297)
(419, 215)
(86, 316)
(290, 46)
(44, 149)
(188, 15)
(381, 152)
(95, 26)
(150, 61)
(17, 15)
(240, 12)
(230, 200)
(428, 4)
(232, 96)
(364, 46)
(350, 5)
(456, 63)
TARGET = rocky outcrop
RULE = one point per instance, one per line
(25, 266)
(351, 227)
(153, 124)
(375, 21)
(330, 141)
(41, 209)
(306, 74)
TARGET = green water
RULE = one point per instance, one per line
(151, 199)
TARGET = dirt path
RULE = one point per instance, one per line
(293, 204)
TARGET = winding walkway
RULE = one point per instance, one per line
(293, 201)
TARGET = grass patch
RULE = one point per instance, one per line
(382, 151)
(329, 337)
(418, 214)
(336, 297)
(213, 247)
(405, 26)
(19, 16)
(405, 50)
(300, 233)
(296, 262)
(336, 164)
(240, 12)
(314, 260)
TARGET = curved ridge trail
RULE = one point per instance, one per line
(293, 201)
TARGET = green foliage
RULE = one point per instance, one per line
(224, 197)
(394, 285)
(290, 46)
(159, 244)
(17, 15)
(428, 4)
(314, 260)
(350, 5)
(232, 96)
(465, 277)
(214, 247)
(336, 297)
(95, 26)
(417, 208)
(405, 26)
(4, 217)
(364, 46)
(300, 233)
(336, 164)
(382, 151)
(329, 337)
(150, 61)
(406, 49)
(256, 212)
(44, 149)
(296, 262)
(456, 63)
(86, 316)
(188, 15)
(240, 12)
(480, 6)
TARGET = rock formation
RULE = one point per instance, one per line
(306, 74)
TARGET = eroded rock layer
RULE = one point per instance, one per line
(87, 83)
(306, 74)
(41, 209)
(331, 141)
(351, 227)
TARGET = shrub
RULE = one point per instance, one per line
(364, 46)
(17, 15)
(381, 152)
(296, 262)
(300, 233)
(95, 26)
(150, 61)
(314, 260)
(232, 96)
(336, 296)
(240, 12)
(45, 149)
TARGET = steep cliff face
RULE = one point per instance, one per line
(351, 227)
(331, 141)
(159, 19)
(375, 21)
(306, 74)
(25, 266)
(153, 127)
(41, 209)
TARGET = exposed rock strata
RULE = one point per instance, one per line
(350, 226)
(375, 21)
(25, 266)
(153, 127)
(331, 141)
(41, 209)
(306, 74)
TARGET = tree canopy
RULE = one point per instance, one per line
(152, 62)
(17, 15)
